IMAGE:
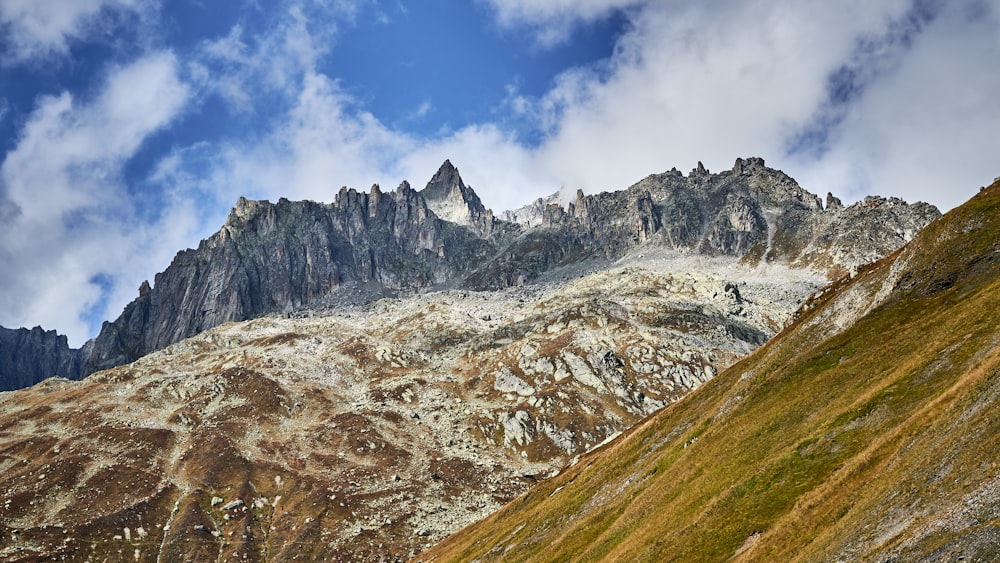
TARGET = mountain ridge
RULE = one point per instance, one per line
(363, 246)
(390, 425)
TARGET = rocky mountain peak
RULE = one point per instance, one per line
(450, 199)
(747, 165)
(242, 211)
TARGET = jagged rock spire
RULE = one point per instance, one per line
(450, 199)
(833, 202)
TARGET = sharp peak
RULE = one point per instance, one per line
(447, 189)
(447, 172)
(444, 181)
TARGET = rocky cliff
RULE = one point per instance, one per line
(275, 258)
(29, 356)
(285, 256)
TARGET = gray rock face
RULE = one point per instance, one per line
(29, 356)
(279, 257)
(833, 202)
(450, 199)
(752, 213)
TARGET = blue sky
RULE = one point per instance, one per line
(128, 128)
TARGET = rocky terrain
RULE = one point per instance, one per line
(364, 432)
(286, 256)
(864, 431)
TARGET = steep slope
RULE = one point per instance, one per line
(29, 356)
(362, 432)
(865, 431)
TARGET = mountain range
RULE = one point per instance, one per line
(411, 362)
(281, 257)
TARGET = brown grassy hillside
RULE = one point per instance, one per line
(868, 430)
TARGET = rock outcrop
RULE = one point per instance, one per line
(833, 202)
(450, 199)
(29, 356)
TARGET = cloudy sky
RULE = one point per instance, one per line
(130, 127)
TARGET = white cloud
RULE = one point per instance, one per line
(240, 68)
(320, 138)
(554, 20)
(700, 81)
(927, 129)
(715, 80)
(34, 29)
(71, 214)
(422, 110)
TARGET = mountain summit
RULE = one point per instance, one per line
(450, 198)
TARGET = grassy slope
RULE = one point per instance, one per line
(879, 441)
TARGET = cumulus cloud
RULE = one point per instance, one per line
(701, 81)
(554, 20)
(32, 29)
(321, 143)
(322, 138)
(852, 97)
(926, 128)
(311, 135)
(70, 224)
(242, 66)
